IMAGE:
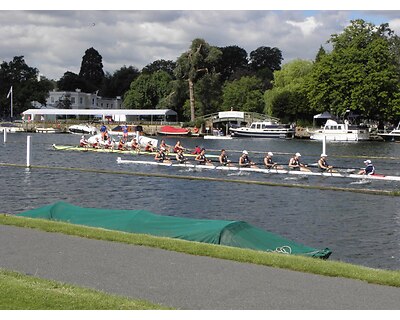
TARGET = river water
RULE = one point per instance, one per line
(359, 228)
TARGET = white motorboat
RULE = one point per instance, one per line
(47, 130)
(82, 129)
(340, 131)
(393, 135)
(265, 129)
(10, 128)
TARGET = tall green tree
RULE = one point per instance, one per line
(199, 60)
(25, 84)
(71, 81)
(148, 91)
(119, 82)
(361, 74)
(160, 65)
(233, 61)
(92, 68)
(287, 99)
(245, 94)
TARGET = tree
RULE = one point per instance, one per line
(288, 97)
(264, 61)
(26, 87)
(119, 82)
(160, 65)
(92, 68)
(233, 60)
(71, 81)
(245, 94)
(199, 60)
(147, 91)
(361, 74)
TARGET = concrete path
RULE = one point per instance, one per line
(179, 280)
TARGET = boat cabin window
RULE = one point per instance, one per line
(264, 126)
(253, 126)
(258, 126)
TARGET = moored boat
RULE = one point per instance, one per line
(82, 129)
(393, 135)
(10, 128)
(47, 130)
(265, 129)
(131, 129)
(173, 131)
(340, 131)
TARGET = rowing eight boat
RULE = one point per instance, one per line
(131, 152)
(271, 171)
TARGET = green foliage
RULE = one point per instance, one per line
(92, 68)
(160, 65)
(233, 60)
(244, 94)
(287, 99)
(147, 91)
(361, 74)
(119, 82)
(26, 87)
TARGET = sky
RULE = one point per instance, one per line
(54, 39)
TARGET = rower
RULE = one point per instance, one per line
(121, 144)
(178, 146)
(369, 169)
(109, 144)
(180, 157)
(223, 159)
(268, 162)
(202, 159)
(161, 157)
(149, 147)
(245, 162)
(295, 164)
(134, 145)
(83, 142)
(165, 146)
(197, 150)
(323, 164)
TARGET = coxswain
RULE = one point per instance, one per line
(125, 132)
(134, 145)
(369, 169)
(180, 157)
(295, 164)
(245, 162)
(323, 164)
(223, 158)
(83, 142)
(103, 131)
(202, 159)
(178, 146)
(269, 163)
(161, 157)
(149, 147)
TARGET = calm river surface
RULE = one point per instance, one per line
(359, 228)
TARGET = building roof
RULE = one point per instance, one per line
(102, 112)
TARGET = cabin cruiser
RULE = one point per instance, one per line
(82, 129)
(340, 131)
(265, 129)
(393, 135)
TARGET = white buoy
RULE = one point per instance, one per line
(5, 135)
(28, 151)
(324, 145)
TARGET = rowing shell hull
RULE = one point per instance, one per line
(89, 149)
(267, 171)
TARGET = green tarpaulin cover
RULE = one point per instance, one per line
(230, 233)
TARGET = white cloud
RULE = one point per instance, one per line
(307, 26)
(55, 41)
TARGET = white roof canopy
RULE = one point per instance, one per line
(102, 112)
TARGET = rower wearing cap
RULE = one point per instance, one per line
(161, 157)
(269, 164)
(369, 169)
(323, 164)
(180, 157)
(245, 162)
(295, 164)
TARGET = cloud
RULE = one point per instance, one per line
(55, 41)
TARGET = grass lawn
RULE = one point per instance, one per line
(19, 287)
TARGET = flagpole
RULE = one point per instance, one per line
(11, 104)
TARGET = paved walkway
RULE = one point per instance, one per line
(179, 280)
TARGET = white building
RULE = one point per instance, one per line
(81, 100)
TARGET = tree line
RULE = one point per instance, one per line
(361, 74)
